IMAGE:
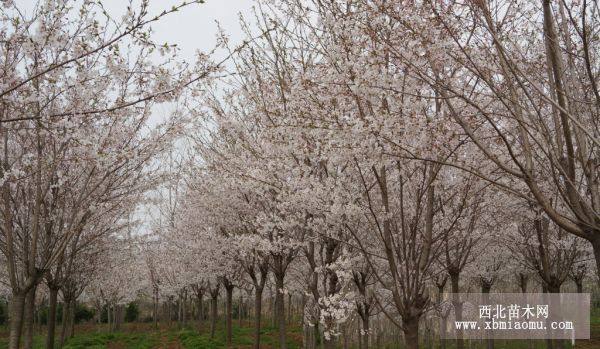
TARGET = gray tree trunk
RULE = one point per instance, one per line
(51, 331)
(28, 318)
(17, 305)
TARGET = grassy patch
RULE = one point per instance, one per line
(120, 339)
(99, 340)
(241, 337)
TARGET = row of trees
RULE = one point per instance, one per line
(376, 154)
(366, 155)
(79, 147)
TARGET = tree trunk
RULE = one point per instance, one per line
(454, 280)
(411, 333)
(486, 288)
(257, 316)
(365, 336)
(65, 321)
(184, 310)
(273, 307)
(289, 308)
(228, 314)
(108, 319)
(51, 318)
(199, 300)
(596, 247)
(213, 315)
(329, 343)
(155, 309)
(169, 315)
(28, 318)
(240, 310)
(72, 319)
(280, 309)
(17, 305)
(117, 317)
(179, 312)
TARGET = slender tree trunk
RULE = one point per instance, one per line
(365, 326)
(179, 313)
(170, 316)
(280, 309)
(17, 305)
(289, 308)
(596, 247)
(329, 343)
(523, 279)
(184, 309)
(66, 313)
(485, 289)
(257, 316)
(52, 300)
(560, 344)
(108, 319)
(117, 317)
(442, 320)
(155, 308)
(199, 300)
(228, 314)
(454, 283)
(240, 309)
(273, 307)
(72, 319)
(213, 315)
(411, 333)
(28, 319)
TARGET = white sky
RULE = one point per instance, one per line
(193, 28)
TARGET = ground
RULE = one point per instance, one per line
(144, 336)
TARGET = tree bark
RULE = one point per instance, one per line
(411, 333)
(66, 314)
(155, 308)
(280, 309)
(228, 313)
(17, 305)
(596, 247)
(184, 309)
(485, 288)
(240, 310)
(365, 337)
(51, 331)
(257, 316)
(213, 314)
(72, 319)
(199, 301)
(454, 282)
(289, 308)
(108, 318)
(28, 318)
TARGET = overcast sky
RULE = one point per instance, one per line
(192, 29)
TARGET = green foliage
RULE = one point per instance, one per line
(101, 341)
(3, 311)
(83, 313)
(241, 337)
(132, 312)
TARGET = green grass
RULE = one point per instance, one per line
(143, 336)
(99, 340)
(241, 336)
(147, 338)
